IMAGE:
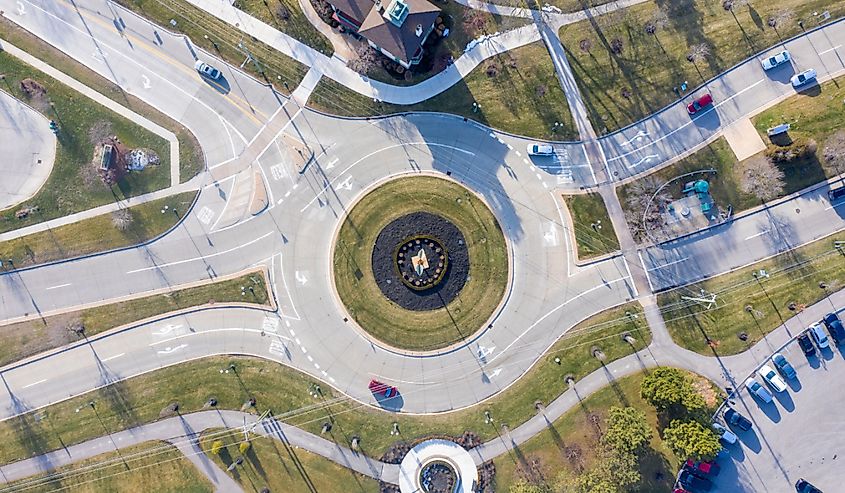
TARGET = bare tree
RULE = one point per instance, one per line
(658, 21)
(365, 59)
(834, 153)
(731, 5)
(121, 219)
(585, 45)
(780, 18)
(698, 53)
(761, 178)
(475, 22)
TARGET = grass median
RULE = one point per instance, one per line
(625, 73)
(517, 92)
(140, 467)
(191, 159)
(593, 231)
(141, 399)
(22, 339)
(750, 308)
(73, 184)
(301, 471)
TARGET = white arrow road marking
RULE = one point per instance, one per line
(550, 236)
(646, 160)
(495, 373)
(300, 278)
(21, 8)
(146, 81)
(638, 137)
(166, 329)
(483, 352)
(169, 349)
(332, 163)
(346, 184)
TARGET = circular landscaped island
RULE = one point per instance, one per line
(420, 263)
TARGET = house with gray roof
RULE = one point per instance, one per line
(397, 28)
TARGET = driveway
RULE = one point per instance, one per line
(796, 436)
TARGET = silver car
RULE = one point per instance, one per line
(207, 70)
(775, 60)
(756, 389)
(804, 77)
(540, 150)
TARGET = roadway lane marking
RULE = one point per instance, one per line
(211, 331)
(33, 384)
(112, 357)
(57, 286)
(668, 264)
(647, 277)
(202, 257)
(169, 349)
(633, 284)
(646, 160)
(690, 122)
(761, 233)
(829, 50)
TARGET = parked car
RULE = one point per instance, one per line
(733, 418)
(775, 60)
(804, 486)
(836, 193)
(756, 389)
(379, 388)
(803, 78)
(806, 344)
(772, 378)
(783, 366)
(725, 435)
(207, 70)
(700, 103)
(834, 326)
(692, 482)
(540, 150)
(702, 468)
(680, 490)
(819, 337)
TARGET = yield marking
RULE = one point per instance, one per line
(761, 233)
(332, 163)
(169, 349)
(145, 81)
(646, 160)
(33, 384)
(270, 325)
(57, 286)
(205, 215)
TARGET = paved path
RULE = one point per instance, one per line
(341, 43)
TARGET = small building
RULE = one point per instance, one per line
(107, 157)
(396, 28)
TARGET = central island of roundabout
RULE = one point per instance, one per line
(420, 264)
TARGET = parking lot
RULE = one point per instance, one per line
(800, 434)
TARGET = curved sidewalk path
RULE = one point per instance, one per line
(183, 431)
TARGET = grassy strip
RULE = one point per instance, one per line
(387, 321)
(630, 82)
(191, 159)
(23, 339)
(287, 17)
(524, 96)
(594, 233)
(141, 399)
(73, 184)
(301, 471)
(98, 233)
(159, 465)
(568, 447)
(216, 36)
(744, 305)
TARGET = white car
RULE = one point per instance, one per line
(540, 150)
(756, 389)
(725, 435)
(819, 337)
(804, 77)
(775, 60)
(207, 70)
(772, 378)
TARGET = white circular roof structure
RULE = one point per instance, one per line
(437, 451)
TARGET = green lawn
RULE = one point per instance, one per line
(141, 399)
(96, 234)
(510, 100)
(744, 305)
(22, 339)
(420, 330)
(143, 467)
(568, 446)
(205, 31)
(275, 465)
(296, 25)
(594, 233)
(621, 88)
(73, 184)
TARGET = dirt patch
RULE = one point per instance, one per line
(706, 390)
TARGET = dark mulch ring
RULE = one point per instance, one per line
(387, 275)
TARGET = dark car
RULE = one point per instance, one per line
(377, 387)
(693, 483)
(733, 418)
(834, 326)
(783, 366)
(806, 344)
(699, 104)
(701, 468)
(804, 486)
(836, 193)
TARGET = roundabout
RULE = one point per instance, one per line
(420, 263)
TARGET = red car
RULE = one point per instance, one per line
(702, 468)
(377, 387)
(699, 103)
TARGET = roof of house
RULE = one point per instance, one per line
(400, 41)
